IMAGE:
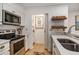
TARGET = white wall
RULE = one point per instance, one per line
(71, 20)
(0, 13)
(58, 10)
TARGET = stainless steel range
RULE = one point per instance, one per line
(17, 45)
(13, 43)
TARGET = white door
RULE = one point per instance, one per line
(38, 24)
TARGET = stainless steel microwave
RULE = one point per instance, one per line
(10, 18)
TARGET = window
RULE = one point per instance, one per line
(77, 22)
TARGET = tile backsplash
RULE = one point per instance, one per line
(7, 29)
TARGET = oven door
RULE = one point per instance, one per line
(17, 47)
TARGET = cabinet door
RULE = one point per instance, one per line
(0, 13)
(8, 7)
(12, 7)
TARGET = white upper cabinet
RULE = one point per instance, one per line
(0, 13)
(9, 7)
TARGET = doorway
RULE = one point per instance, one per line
(38, 25)
(39, 35)
(40, 29)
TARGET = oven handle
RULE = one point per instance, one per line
(12, 42)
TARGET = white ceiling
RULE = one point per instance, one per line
(38, 4)
(71, 6)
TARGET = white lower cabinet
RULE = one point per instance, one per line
(5, 49)
(5, 52)
(55, 49)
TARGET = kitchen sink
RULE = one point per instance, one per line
(65, 41)
(69, 45)
(76, 36)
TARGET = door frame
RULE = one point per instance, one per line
(45, 30)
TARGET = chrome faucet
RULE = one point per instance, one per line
(69, 31)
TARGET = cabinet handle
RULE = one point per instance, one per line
(2, 47)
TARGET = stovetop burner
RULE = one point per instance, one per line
(11, 36)
(7, 36)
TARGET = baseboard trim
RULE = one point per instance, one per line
(27, 50)
(47, 50)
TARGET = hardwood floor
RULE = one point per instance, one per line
(38, 49)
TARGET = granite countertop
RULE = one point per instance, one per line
(61, 49)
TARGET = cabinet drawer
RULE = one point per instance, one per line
(5, 52)
(4, 47)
